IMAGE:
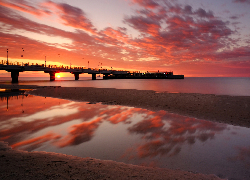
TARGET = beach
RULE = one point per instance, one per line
(227, 109)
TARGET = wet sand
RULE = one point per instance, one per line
(227, 109)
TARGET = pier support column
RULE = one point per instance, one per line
(52, 76)
(76, 76)
(105, 76)
(14, 76)
(93, 76)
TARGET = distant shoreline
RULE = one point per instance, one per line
(233, 110)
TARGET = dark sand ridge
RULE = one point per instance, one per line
(227, 109)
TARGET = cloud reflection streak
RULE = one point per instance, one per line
(161, 133)
(166, 133)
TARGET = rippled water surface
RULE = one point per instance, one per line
(125, 134)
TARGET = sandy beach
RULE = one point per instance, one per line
(23, 165)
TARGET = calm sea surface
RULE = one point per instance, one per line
(219, 85)
(125, 134)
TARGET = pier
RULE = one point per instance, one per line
(52, 70)
(15, 69)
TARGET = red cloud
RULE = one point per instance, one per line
(144, 25)
(147, 3)
(187, 33)
(73, 16)
(24, 6)
(113, 36)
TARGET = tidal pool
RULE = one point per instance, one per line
(125, 134)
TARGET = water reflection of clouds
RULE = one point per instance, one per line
(36, 142)
(51, 113)
(164, 132)
(44, 113)
(79, 133)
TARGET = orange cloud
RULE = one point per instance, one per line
(72, 16)
(24, 6)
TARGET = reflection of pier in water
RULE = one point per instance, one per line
(10, 94)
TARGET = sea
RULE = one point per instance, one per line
(233, 86)
(129, 134)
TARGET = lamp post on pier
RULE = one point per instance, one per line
(45, 61)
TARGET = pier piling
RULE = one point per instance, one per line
(52, 76)
(76, 75)
(14, 76)
(93, 76)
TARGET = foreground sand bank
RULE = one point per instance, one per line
(42, 165)
(226, 109)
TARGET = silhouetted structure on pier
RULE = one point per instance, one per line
(146, 75)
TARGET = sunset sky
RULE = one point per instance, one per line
(197, 38)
